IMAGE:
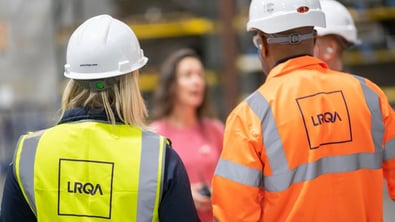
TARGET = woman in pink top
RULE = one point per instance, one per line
(181, 113)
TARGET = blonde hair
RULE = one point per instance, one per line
(123, 97)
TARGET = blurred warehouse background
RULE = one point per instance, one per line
(34, 34)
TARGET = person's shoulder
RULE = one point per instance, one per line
(152, 133)
(33, 134)
(361, 79)
(157, 125)
(213, 123)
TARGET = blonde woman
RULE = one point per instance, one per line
(98, 163)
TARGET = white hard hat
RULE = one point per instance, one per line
(103, 47)
(274, 16)
(338, 21)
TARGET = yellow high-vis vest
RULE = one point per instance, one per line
(91, 171)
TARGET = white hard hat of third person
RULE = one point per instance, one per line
(103, 47)
(338, 21)
(274, 16)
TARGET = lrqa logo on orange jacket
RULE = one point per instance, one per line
(326, 118)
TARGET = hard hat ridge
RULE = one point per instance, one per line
(274, 16)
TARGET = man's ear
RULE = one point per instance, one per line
(264, 48)
(331, 49)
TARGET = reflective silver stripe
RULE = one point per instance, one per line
(26, 166)
(283, 177)
(326, 165)
(271, 136)
(305, 172)
(239, 173)
(373, 102)
(389, 150)
(148, 179)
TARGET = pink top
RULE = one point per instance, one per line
(199, 147)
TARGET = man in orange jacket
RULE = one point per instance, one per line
(311, 144)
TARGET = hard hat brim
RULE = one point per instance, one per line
(104, 75)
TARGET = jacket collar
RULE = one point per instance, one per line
(77, 114)
(295, 63)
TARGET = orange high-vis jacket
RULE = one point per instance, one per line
(310, 145)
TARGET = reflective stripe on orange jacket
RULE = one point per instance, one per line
(309, 145)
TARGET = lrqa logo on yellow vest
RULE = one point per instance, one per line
(326, 118)
(85, 188)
